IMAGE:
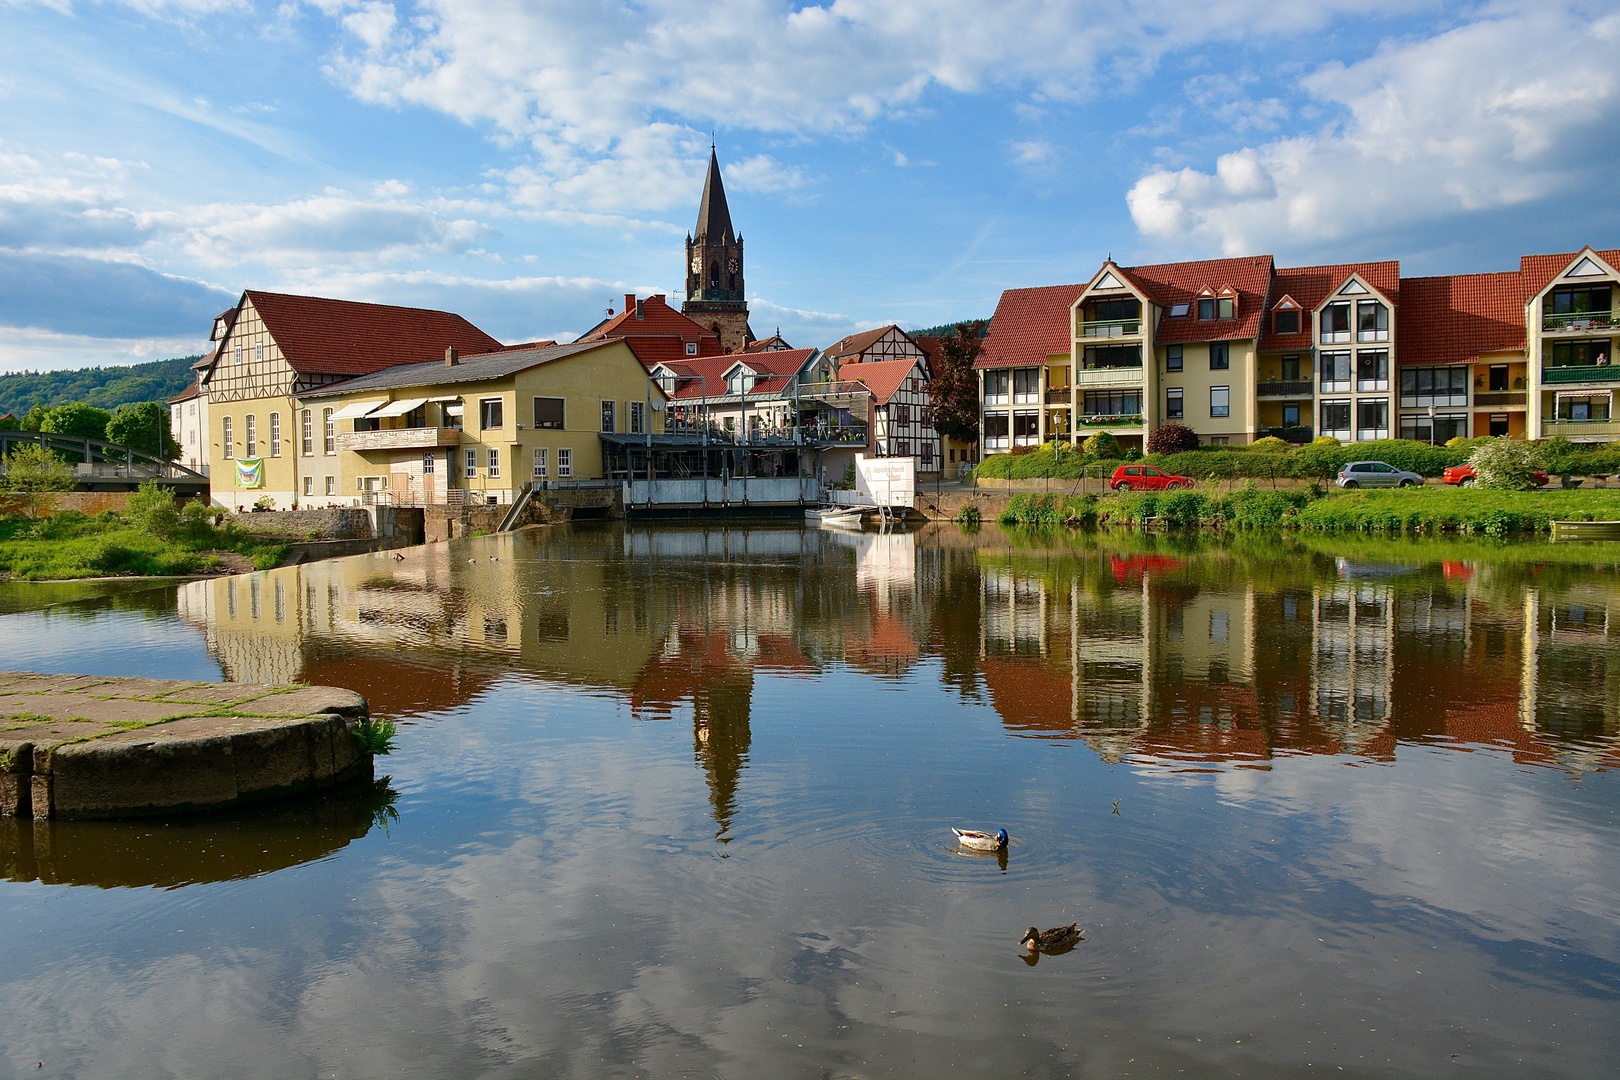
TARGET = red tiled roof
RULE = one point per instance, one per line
(779, 368)
(774, 343)
(1176, 283)
(207, 361)
(1537, 271)
(855, 344)
(343, 337)
(882, 377)
(1455, 318)
(661, 334)
(1029, 325)
(1308, 286)
(185, 395)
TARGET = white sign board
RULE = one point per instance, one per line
(886, 481)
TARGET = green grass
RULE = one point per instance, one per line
(70, 545)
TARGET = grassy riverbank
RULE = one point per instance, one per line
(71, 545)
(1422, 511)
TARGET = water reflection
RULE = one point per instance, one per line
(228, 846)
(1223, 655)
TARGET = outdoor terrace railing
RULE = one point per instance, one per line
(1285, 388)
(1107, 328)
(1499, 398)
(107, 460)
(1297, 435)
(1605, 430)
(1585, 373)
(1058, 397)
(1111, 420)
(1579, 320)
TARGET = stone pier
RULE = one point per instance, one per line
(85, 746)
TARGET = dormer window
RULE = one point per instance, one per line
(1206, 308)
(691, 348)
(1226, 304)
(1287, 322)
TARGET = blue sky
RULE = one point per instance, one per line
(886, 160)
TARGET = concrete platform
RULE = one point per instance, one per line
(81, 746)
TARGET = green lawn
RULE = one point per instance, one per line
(74, 545)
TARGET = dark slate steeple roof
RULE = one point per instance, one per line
(714, 219)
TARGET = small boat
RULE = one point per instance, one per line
(978, 840)
(1586, 530)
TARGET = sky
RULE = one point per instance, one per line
(526, 164)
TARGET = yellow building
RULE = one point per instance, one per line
(480, 427)
(271, 348)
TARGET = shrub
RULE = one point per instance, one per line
(152, 510)
(196, 521)
(1505, 464)
(968, 515)
(1172, 438)
(1102, 444)
(1183, 508)
(1271, 445)
(1324, 440)
(1253, 509)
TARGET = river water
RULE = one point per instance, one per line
(675, 801)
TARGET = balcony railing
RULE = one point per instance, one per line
(1112, 420)
(1497, 398)
(1108, 328)
(420, 438)
(1582, 430)
(1109, 376)
(1273, 388)
(1299, 435)
(1058, 397)
(1579, 320)
(1604, 373)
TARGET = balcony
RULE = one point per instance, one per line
(1582, 430)
(1297, 435)
(1112, 420)
(1496, 399)
(419, 438)
(1579, 321)
(1284, 388)
(1111, 328)
(1058, 397)
(1109, 376)
(1606, 373)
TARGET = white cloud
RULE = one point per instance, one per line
(616, 102)
(1033, 152)
(1517, 107)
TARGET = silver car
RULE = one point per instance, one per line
(1359, 474)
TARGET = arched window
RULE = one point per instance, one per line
(714, 275)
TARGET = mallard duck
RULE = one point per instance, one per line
(1059, 939)
(975, 840)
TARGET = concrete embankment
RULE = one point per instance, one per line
(83, 746)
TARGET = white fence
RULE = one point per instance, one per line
(736, 491)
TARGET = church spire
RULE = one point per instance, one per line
(714, 218)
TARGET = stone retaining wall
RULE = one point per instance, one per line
(82, 746)
(336, 524)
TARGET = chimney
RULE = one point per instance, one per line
(450, 357)
(639, 315)
(629, 300)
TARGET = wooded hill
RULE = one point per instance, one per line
(103, 387)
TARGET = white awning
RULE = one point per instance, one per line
(401, 407)
(438, 400)
(355, 410)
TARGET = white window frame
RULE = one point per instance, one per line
(331, 485)
(250, 436)
(610, 417)
(471, 465)
(309, 487)
(275, 434)
(565, 462)
(225, 434)
(637, 419)
(539, 463)
(308, 445)
(329, 433)
(691, 348)
(484, 410)
(494, 469)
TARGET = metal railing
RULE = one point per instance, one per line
(1579, 320)
(1059, 397)
(1497, 397)
(1111, 420)
(106, 458)
(1285, 388)
(1107, 328)
(1582, 373)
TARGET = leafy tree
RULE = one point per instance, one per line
(144, 427)
(35, 475)
(77, 419)
(34, 417)
(1172, 438)
(954, 389)
(1102, 445)
(1506, 464)
(152, 509)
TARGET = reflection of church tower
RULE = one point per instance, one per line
(721, 737)
(714, 268)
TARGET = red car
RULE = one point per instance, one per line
(1464, 475)
(1146, 478)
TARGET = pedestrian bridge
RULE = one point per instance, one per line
(99, 465)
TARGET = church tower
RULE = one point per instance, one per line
(715, 296)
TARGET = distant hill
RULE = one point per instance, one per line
(103, 387)
(943, 329)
